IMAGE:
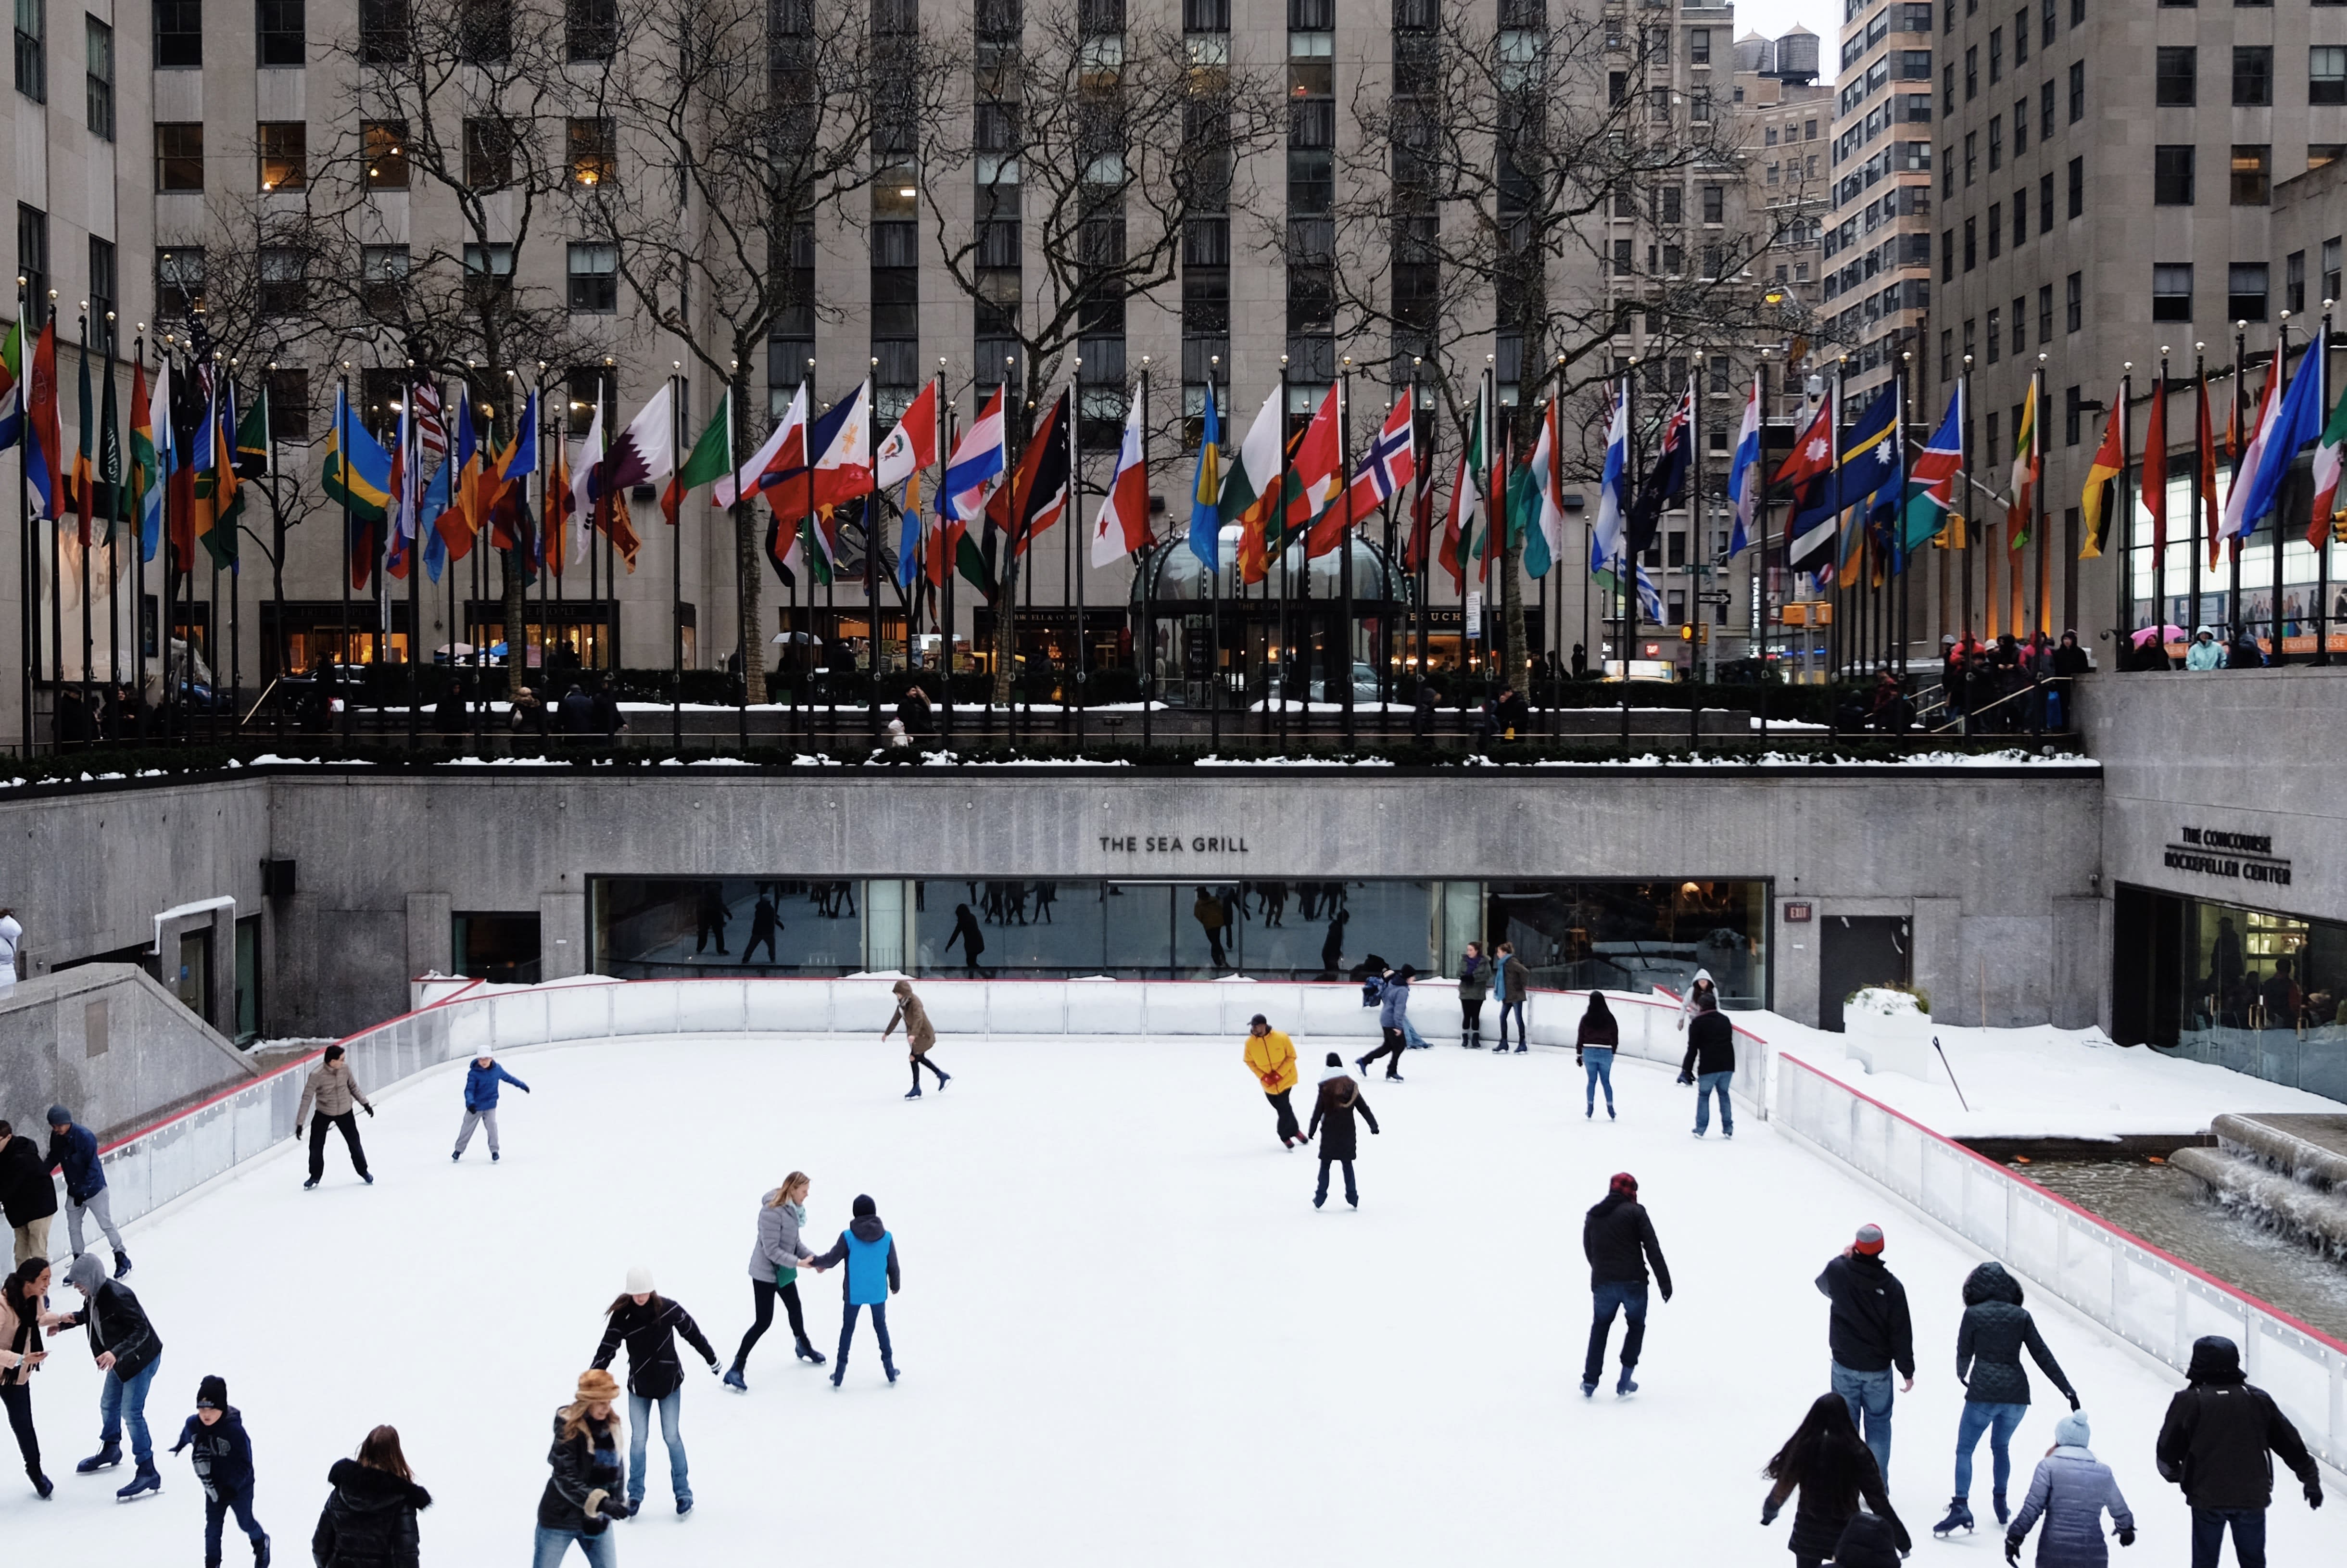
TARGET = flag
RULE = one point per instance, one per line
(2324, 512)
(407, 489)
(841, 441)
(1421, 527)
(148, 462)
(711, 459)
(1613, 487)
(1206, 489)
(784, 448)
(582, 506)
(1500, 530)
(12, 386)
(459, 517)
(1391, 462)
(1250, 485)
(431, 429)
(1312, 483)
(357, 472)
(912, 445)
(45, 443)
(1038, 491)
(218, 502)
(1931, 479)
(2153, 486)
(645, 453)
(1872, 471)
(1122, 526)
(503, 504)
(84, 485)
(2023, 508)
(2108, 464)
(1667, 478)
(1545, 535)
(1460, 539)
(1743, 473)
(2237, 520)
(979, 459)
(2297, 421)
(1813, 452)
(438, 498)
(2205, 445)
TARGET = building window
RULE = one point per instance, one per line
(2331, 268)
(2293, 282)
(284, 281)
(594, 150)
(2020, 127)
(382, 32)
(1699, 47)
(2172, 168)
(1995, 143)
(179, 155)
(33, 50)
(1995, 332)
(1947, 354)
(2326, 75)
(382, 144)
(591, 28)
(1996, 229)
(1971, 155)
(484, 31)
(2073, 412)
(2252, 76)
(1947, 255)
(383, 277)
(97, 82)
(594, 280)
(2245, 291)
(2175, 74)
(2045, 203)
(2045, 313)
(2020, 222)
(2073, 302)
(289, 405)
(1995, 55)
(32, 263)
(488, 270)
(284, 32)
(179, 280)
(2077, 91)
(285, 154)
(104, 287)
(2171, 292)
(2322, 154)
(2078, 188)
(179, 34)
(1715, 204)
(2020, 319)
(2045, 112)
(1972, 72)
(2252, 175)
(488, 154)
(1972, 245)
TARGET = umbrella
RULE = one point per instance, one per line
(459, 649)
(2165, 633)
(804, 639)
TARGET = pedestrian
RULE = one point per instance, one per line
(2206, 652)
(919, 1036)
(1332, 945)
(2214, 1444)
(369, 1520)
(765, 921)
(1393, 1008)
(605, 707)
(1421, 713)
(972, 941)
(23, 1315)
(128, 1351)
(576, 711)
(647, 1323)
(1618, 1238)
(1474, 985)
(775, 1260)
(73, 1148)
(2070, 1491)
(1995, 1329)
(481, 1081)
(915, 710)
(1271, 1057)
(1833, 1471)
(332, 1091)
(1699, 990)
(709, 918)
(1340, 1097)
(1710, 1065)
(1869, 1333)
(12, 937)
(869, 1251)
(1508, 986)
(224, 1465)
(581, 1496)
(28, 1197)
(1208, 911)
(1515, 715)
(1594, 1045)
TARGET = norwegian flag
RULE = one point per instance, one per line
(1391, 462)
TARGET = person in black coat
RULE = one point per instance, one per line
(1995, 1329)
(580, 1500)
(1832, 1471)
(2214, 1444)
(1710, 1063)
(648, 1323)
(28, 1197)
(128, 1351)
(1870, 1332)
(223, 1462)
(1618, 1239)
(1332, 1119)
(1594, 1044)
(369, 1520)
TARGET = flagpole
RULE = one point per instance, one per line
(2202, 461)
(2323, 552)
(412, 502)
(2281, 369)
(676, 561)
(2037, 620)
(2159, 535)
(1345, 539)
(113, 492)
(2126, 521)
(1214, 586)
(1146, 648)
(949, 568)
(82, 505)
(1274, 522)
(1073, 691)
(27, 552)
(871, 577)
(2233, 459)
(1424, 541)
(139, 568)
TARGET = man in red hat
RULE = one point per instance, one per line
(1619, 1240)
(1869, 1333)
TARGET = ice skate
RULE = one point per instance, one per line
(1960, 1517)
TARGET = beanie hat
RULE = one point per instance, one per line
(1624, 1184)
(1870, 1240)
(863, 1207)
(2072, 1431)
(1334, 1060)
(639, 1281)
(59, 1116)
(212, 1394)
(597, 1386)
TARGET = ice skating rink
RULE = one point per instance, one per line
(1126, 1337)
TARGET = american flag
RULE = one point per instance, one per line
(431, 426)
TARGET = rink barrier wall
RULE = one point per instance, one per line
(2154, 1301)
(151, 1166)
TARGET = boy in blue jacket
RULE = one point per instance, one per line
(481, 1080)
(870, 1254)
(223, 1461)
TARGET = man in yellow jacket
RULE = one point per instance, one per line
(1271, 1057)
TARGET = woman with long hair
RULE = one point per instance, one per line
(1825, 1461)
(580, 1500)
(369, 1520)
(1332, 1118)
(647, 1323)
(21, 1318)
(1592, 1050)
(774, 1263)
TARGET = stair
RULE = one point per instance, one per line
(2287, 1171)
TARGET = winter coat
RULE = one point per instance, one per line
(778, 1253)
(481, 1085)
(332, 1089)
(2071, 1488)
(1393, 1008)
(1869, 1331)
(582, 1465)
(223, 1456)
(1618, 1239)
(75, 1153)
(1507, 977)
(26, 1194)
(1989, 1339)
(2209, 655)
(1687, 1004)
(651, 1330)
(1340, 1098)
(870, 1254)
(369, 1520)
(1474, 978)
(1272, 1059)
(1603, 1034)
(2216, 1440)
(1868, 1541)
(1825, 1510)
(111, 1319)
(20, 1335)
(1711, 1044)
(2070, 659)
(914, 1017)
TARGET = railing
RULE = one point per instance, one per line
(2156, 1302)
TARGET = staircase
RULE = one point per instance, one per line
(2286, 1172)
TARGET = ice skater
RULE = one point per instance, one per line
(869, 1251)
(1832, 1471)
(1710, 1065)
(765, 921)
(1508, 987)
(481, 1080)
(1393, 1012)
(223, 1464)
(647, 1324)
(1474, 985)
(709, 918)
(1332, 1118)
(23, 1315)
(332, 1091)
(1618, 1238)
(774, 1262)
(1208, 911)
(1700, 990)
(1868, 1332)
(1995, 1329)
(73, 1148)
(972, 940)
(2070, 1491)
(28, 1197)
(919, 1036)
(1271, 1057)
(1594, 1044)
(581, 1496)
(128, 1351)
(369, 1520)
(1332, 945)
(2214, 1444)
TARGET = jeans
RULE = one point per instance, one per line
(639, 1411)
(762, 1303)
(1706, 1085)
(1998, 1421)
(100, 1208)
(349, 1124)
(2248, 1536)
(1605, 1299)
(124, 1404)
(1285, 1113)
(18, 1398)
(216, 1513)
(879, 1330)
(600, 1551)
(1512, 1007)
(486, 1117)
(1352, 1193)
(1597, 1063)
(1868, 1395)
(1410, 1037)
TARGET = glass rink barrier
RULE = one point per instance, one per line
(2156, 1302)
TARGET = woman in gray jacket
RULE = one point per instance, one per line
(774, 1271)
(2071, 1488)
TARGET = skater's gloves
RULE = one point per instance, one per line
(2012, 1549)
(1768, 1514)
(1686, 1078)
(368, 1109)
(2314, 1492)
(601, 1502)
(2074, 1399)
(2126, 1537)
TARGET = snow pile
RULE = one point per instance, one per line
(1882, 1002)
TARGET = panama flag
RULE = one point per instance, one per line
(2237, 520)
(2324, 511)
(912, 445)
(1614, 489)
(1122, 524)
(1542, 541)
(1743, 473)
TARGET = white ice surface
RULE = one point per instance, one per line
(1125, 1335)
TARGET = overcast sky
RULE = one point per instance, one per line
(1771, 18)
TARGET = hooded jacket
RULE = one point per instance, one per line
(481, 1085)
(1870, 1330)
(2209, 655)
(369, 1520)
(915, 1018)
(111, 1319)
(1272, 1059)
(1332, 1116)
(2220, 1432)
(26, 1194)
(1618, 1239)
(1989, 1339)
(75, 1152)
(870, 1254)
(332, 1088)
(223, 1456)
(1393, 1007)
(1687, 1006)
(2070, 1489)
(778, 1250)
(649, 1331)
